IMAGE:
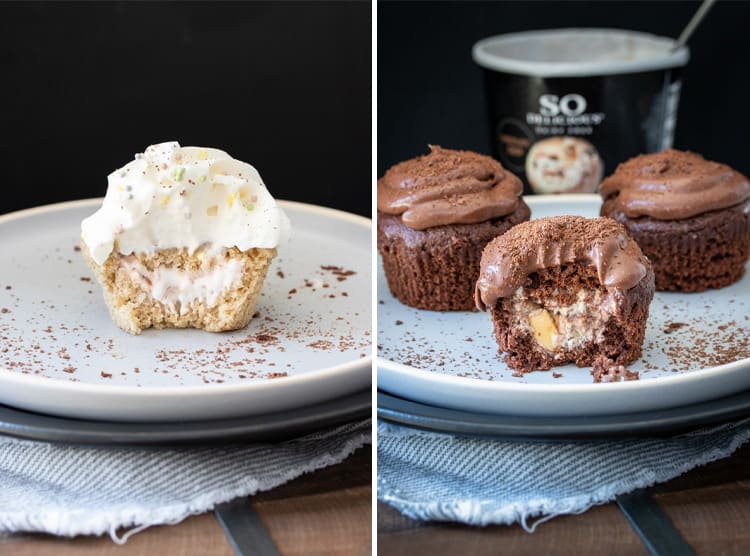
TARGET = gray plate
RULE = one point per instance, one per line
(271, 427)
(694, 351)
(62, 355)
(665, 422)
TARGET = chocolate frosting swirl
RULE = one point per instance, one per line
(673, 185)
(554, 241)
(448, 187)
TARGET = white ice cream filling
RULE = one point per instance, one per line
(577, 324)
(180, 288)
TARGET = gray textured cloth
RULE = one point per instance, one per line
(68, 490)
(480, 482)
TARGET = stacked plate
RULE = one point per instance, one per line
(441, 371)
(67, 373)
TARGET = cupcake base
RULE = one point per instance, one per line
(708, 251)
(437, 268)
(563, 315)
(172, 288)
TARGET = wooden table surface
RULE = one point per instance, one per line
(327, 512)
(710, 506)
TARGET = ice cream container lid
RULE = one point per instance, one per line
(578, 52)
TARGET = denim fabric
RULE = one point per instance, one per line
(75, 490)
(431, 476)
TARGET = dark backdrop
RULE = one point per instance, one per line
(284, 86)
(430, 90)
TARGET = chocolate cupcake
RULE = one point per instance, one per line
(435, 215)
(566, 289)
(690, 216)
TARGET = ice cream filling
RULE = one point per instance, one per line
(179, 288)
(556, 326)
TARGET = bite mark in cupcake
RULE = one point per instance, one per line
(184, 238)
(566, 289)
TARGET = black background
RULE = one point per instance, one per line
(430, 90)
(284, 86)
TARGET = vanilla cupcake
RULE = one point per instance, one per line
(183, 239)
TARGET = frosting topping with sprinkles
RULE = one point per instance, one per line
(172, 196)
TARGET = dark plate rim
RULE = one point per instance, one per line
(654, 423)
(269, 427)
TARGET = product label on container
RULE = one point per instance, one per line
(564, 115)
(561, 135)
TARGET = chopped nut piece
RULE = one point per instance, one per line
(544, 328)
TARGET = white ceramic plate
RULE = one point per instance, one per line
(61, 354)
(697, 348)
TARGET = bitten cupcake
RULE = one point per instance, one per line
(566, 289)
(435, 214)
(184, 238)
(690, 216)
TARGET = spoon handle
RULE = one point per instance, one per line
(698, 16)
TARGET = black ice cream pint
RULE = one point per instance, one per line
(567, 105)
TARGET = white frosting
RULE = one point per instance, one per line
(179, 288)
(172, 196)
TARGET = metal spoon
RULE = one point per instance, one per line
(693, 24)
